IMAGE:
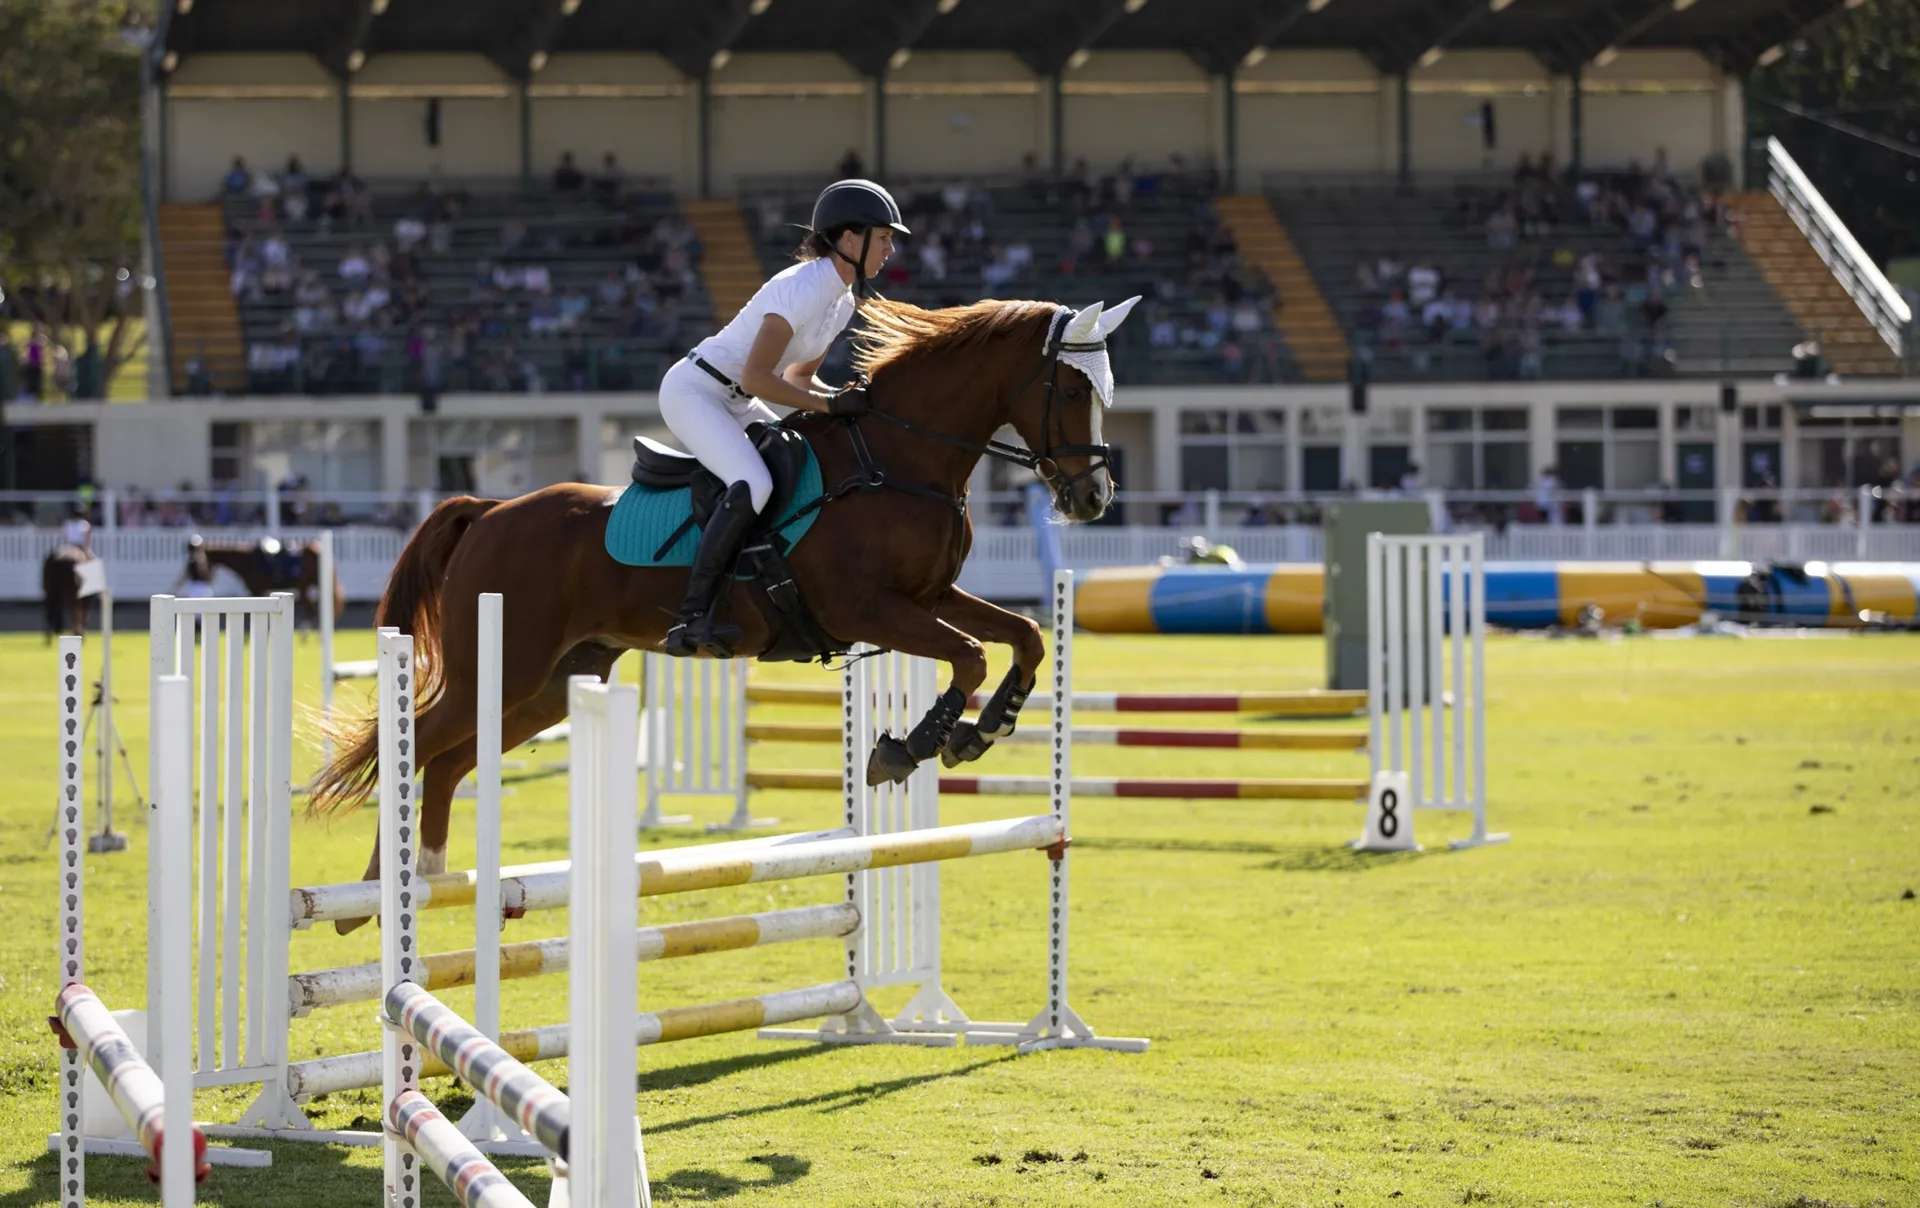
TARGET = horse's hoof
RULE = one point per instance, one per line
(349, 926)
(966, 745)
(890, 762)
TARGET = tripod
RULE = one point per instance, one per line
(107, 742)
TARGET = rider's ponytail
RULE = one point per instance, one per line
(816, 246)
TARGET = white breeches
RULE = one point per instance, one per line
(698, 413)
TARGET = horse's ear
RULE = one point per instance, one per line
(1113, 316)
(1084, 327)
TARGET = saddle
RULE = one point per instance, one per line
(784, 451)
(762, 560)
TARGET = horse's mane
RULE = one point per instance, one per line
(898, 331)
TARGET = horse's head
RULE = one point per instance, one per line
(1060, 412)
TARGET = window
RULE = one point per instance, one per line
(1839, 453)
(327, 456)
(1696, 419)
(1223, 450)
(227, 454)
(1481, 449)
(1608, 448)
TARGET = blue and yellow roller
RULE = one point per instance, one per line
(1287, 598)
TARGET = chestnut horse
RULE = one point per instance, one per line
(878, 566)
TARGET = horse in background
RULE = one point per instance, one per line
(267, 567)
(63, 608)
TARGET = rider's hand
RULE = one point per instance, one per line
(849, 400)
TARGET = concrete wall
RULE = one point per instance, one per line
(1448, 102)
(786, 115)
(1312, 111)
(964, 112)
(479, 118)
(637, 106)
(264, 107)
(968, 112)
(1150, 105)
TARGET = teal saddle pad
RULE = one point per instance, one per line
(646, 516)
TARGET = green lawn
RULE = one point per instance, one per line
(1691, 979)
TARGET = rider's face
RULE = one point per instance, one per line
(879, 248)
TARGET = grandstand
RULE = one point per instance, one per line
(1467, 247)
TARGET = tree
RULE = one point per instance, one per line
(1851, 94)
(70, 189)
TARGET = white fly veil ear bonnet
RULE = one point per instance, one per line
(1083, 344)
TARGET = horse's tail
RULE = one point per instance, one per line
(411, 604)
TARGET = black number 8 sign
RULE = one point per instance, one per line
(1389, 813)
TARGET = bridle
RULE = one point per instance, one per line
(1044, 462)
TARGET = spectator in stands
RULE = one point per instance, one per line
(1113, 242)
(238, 180)
(851, 168)
(1423, 283)
(933, 257)
(566, 177)
(408, 230)
(1389, 271)
(1394, 317)
(354, 268)
(611, 184)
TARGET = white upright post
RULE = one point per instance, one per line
(170, 1048)
(165, 655)
(327, 620)
(604, 1163)
(274, 863)
(399, 949)
(484, 1121)
(70, 820)
(1058, 1025)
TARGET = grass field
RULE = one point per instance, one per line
(1693, 978)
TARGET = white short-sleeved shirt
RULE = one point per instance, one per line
(813, 300)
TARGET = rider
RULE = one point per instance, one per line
(197, 577)
(77, 531)
(769, 354)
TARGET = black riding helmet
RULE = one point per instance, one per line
(855, 203)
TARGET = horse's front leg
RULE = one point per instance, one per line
(991, 623)
(897, 623)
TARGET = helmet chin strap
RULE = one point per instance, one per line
(859, 266)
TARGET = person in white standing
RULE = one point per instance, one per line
(769, 353)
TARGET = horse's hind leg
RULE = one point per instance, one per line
(991, 623)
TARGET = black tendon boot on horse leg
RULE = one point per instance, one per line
(895, 760)
(698, 632)
(971, 739)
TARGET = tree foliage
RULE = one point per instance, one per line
(1860, 75)
(70, 188)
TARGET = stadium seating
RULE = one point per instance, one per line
(576, 236)
(1173, 217)
(1734, 323)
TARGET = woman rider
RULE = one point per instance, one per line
(769, 354)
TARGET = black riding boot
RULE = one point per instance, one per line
(697, 632)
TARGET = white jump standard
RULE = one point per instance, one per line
(1426, 675)
(594, 1152)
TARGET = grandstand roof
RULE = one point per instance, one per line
(1393, 34)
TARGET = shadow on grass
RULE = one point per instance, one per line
(1287, 857)
(857, 1095)
(702, 1185)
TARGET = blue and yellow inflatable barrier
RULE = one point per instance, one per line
(1287, 598)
